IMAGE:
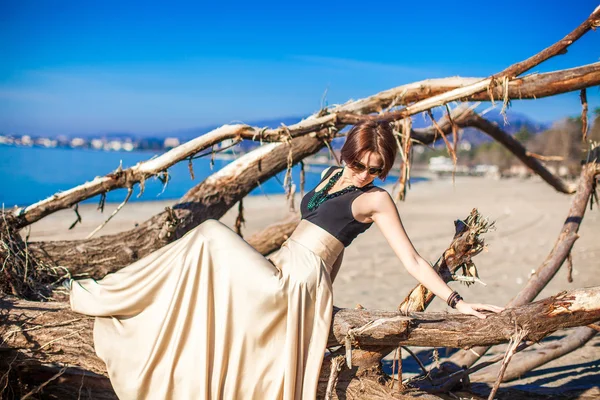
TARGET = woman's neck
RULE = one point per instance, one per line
(346, 179)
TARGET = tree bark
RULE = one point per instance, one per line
(515, 147)
(554, 260)
(507, 74)
(466, 244)
(529, 87)
(525, 362)
(40, 338)
(210, 199)
(272, 237)
(365, 327)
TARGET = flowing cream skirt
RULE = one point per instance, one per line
(208, 317)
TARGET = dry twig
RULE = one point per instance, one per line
(512, 347)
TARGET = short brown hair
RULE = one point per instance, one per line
(371, 136)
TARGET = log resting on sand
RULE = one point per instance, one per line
(557, 256)
(39, 339)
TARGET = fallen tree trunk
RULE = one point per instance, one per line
(515, 147)
(554, 260)
(467, 243)
(364, 327)
(87, 257)
(272, 237)
(211, 199)
(505, 75)
(525, 362)
(529, 87)
(40, 337)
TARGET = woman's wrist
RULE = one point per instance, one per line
(453, 299)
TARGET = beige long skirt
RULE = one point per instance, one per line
(208, 317)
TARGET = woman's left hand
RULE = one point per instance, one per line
(474, 308)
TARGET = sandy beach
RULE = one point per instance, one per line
(528, 213)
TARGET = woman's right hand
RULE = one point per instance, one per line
(474, 308)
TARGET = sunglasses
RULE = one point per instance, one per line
(360, 167)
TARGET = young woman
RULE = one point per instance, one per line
(208, 317)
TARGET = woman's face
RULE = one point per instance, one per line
(368, 167)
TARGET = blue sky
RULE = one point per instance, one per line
(86, 67)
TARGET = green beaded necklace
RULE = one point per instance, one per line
(321, 196)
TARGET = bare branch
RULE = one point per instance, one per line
(532, 86)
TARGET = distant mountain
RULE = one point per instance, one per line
(516, 121)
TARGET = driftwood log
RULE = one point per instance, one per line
(525, 362)
(211, 199)
(556, 258)
(43, 342)
(39, 339)
(528, 87)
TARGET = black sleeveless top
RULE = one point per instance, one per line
(335, 215)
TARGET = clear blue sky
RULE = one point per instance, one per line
(82, 67)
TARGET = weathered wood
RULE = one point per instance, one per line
(525, 362)
(35, 335)
(554, 260)
(529, 87)
(210, 199)
(272, 237)
(366, 327)
(502, 77)
(466, 244)
(515, 147)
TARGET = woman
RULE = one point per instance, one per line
(208, 317)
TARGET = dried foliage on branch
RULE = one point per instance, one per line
(47, 350)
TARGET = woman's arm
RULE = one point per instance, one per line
(385, 214)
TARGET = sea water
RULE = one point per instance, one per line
(31, 174)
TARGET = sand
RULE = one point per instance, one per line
(528, 213)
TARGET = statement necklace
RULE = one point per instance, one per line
(321, 196)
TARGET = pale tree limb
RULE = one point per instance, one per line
(366, 327)
(507, 74)
(210, 199)
(532, 86)
(510, 352)
(120, 206)
(554, 260)
(548, 351)
(544, 158)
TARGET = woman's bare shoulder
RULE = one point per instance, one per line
(376, 197)
(377, 192)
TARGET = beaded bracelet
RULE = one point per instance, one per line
(453, 299)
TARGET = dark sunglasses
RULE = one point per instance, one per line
(360, 167)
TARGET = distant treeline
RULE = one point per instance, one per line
(562, 139)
